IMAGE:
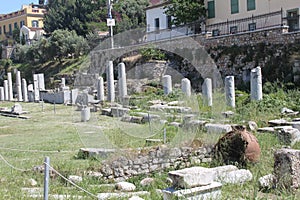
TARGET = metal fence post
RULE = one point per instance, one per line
(46, 178)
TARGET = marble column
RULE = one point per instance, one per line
(110, 82)
(167, 84)
(24, 89)
(186, 87)
(122, 81)
(10, 87)
(230, 91)
(5, 85)
(1, 93)
(207, 92)
(19, 86)
(256, 84)
(100, 89)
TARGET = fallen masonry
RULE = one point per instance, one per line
(204, 183)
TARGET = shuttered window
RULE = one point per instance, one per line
(234, 6)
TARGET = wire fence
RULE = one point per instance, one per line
(53, 170)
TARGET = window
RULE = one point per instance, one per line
(22, 23)
(4, 29)
(10, 29)
(216, 32)
(0, 30)
(156, 24)
(211, 9)
(15, 25)
(234, 6)
(169, 22)
(233, 29)
(252, 26)
(250, 5)
(34, 23)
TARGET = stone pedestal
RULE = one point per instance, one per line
(207, 92)
(230, 91)
(167, 84)
(122, 81)
(256, 84)
(100, 89)
(186, 87)
(5, 86)
(19, 86)
(110, 82)
(24, 90)
(10, 87)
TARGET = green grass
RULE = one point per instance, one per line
(60, 134)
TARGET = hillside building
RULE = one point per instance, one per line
(226, 17)
(30, 16)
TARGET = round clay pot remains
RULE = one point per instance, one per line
(238, 146)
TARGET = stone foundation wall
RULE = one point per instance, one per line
(275, 35)
(153, 160)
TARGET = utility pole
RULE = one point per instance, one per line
(110, 22)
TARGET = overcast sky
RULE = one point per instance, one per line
(7, 6)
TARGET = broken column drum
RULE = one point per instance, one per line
(85, 114)
(207, 92)
(186, 87)
(122, 81)
(19, 86)
(167, 84)
(256, 84)
(230, 91)
(110, 82)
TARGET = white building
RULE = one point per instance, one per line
(227, 17)
(30, 34)
(159, 24)
(231, 16)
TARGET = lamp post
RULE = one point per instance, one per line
(110, 22)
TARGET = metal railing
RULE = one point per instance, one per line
(255, 22)
(248, 24)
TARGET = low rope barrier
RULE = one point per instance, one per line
(72, 183)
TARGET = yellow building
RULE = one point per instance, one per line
(30, 15)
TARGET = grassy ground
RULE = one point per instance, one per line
(56, 131)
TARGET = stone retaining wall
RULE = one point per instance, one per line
(153, 160)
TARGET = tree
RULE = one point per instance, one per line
(16, 35)
(130, 14)
(61, 44)
(86, 16)
(185, 11)
(78, 15)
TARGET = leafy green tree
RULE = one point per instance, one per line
(78, 15)
(61, 44)
(130, 14)
(86, 16)
(16, 35)
(185, 11)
